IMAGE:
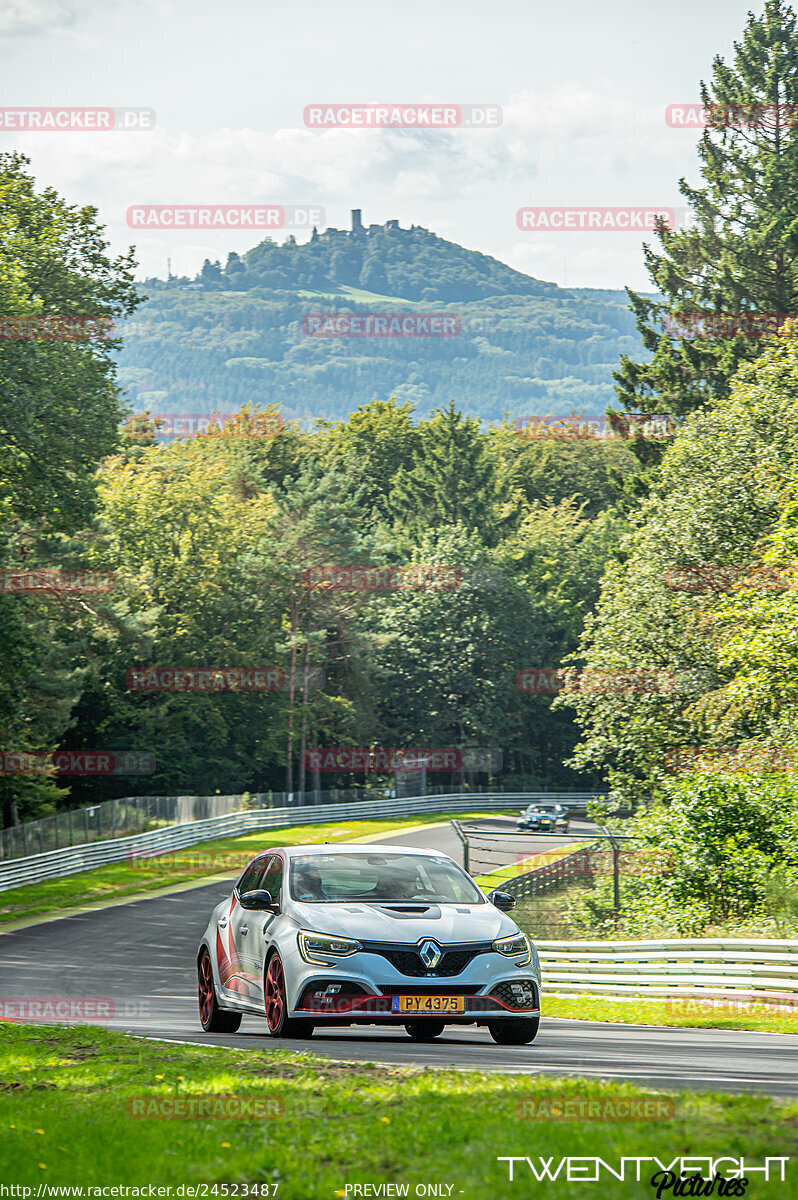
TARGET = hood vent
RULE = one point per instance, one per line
(409, 910)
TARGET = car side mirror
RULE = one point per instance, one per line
(502, 900)
(260, 900)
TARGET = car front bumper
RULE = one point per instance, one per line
(362, 988)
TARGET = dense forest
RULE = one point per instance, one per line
(235, 334)
(617, 611)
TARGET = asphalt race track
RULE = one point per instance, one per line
(142, 954)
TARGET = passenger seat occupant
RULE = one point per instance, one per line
(308, 884)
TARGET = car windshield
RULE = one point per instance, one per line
(332, 878)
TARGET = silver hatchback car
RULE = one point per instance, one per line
(368, 935)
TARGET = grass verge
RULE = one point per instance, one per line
(67, 1096)
(684, 1012)
(523, 864)
(228, 855)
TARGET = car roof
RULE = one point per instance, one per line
(355, 848)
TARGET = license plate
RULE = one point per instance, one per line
(429, 1005)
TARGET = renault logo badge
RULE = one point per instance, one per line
(430, 954)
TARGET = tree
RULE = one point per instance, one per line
(59, 414)
(59, 409)
(560, 468)
(717, 502)
(184, 541)
(452, 480)
(316, 526)
(742, 256)
(371, 447)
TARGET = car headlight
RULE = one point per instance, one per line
(514, 946)
(313, 945)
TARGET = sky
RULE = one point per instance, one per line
(582, 90)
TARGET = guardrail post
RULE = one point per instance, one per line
(464, 840)
(616, 896)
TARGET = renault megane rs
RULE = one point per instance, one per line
(368, 935)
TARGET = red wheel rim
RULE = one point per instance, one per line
(275, 994)
(205, 989)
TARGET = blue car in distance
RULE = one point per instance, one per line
(544, 818)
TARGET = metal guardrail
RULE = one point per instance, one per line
(73, 859)
(710, 968)
(139, 814)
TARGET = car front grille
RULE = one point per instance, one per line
(521, 993)
(315, 995)
(424, 989)
(409, 962)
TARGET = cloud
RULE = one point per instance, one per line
(570, 146)
(29, 18)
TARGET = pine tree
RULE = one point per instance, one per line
(741, 255)
(452, 480)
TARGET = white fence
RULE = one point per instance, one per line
(718, 968)
(73, 859)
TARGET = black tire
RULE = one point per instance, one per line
(213, 1018)
(516, 1031)
(424, 1031)
(275, 1002)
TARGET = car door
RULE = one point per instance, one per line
(262, 924)
(242, 978)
